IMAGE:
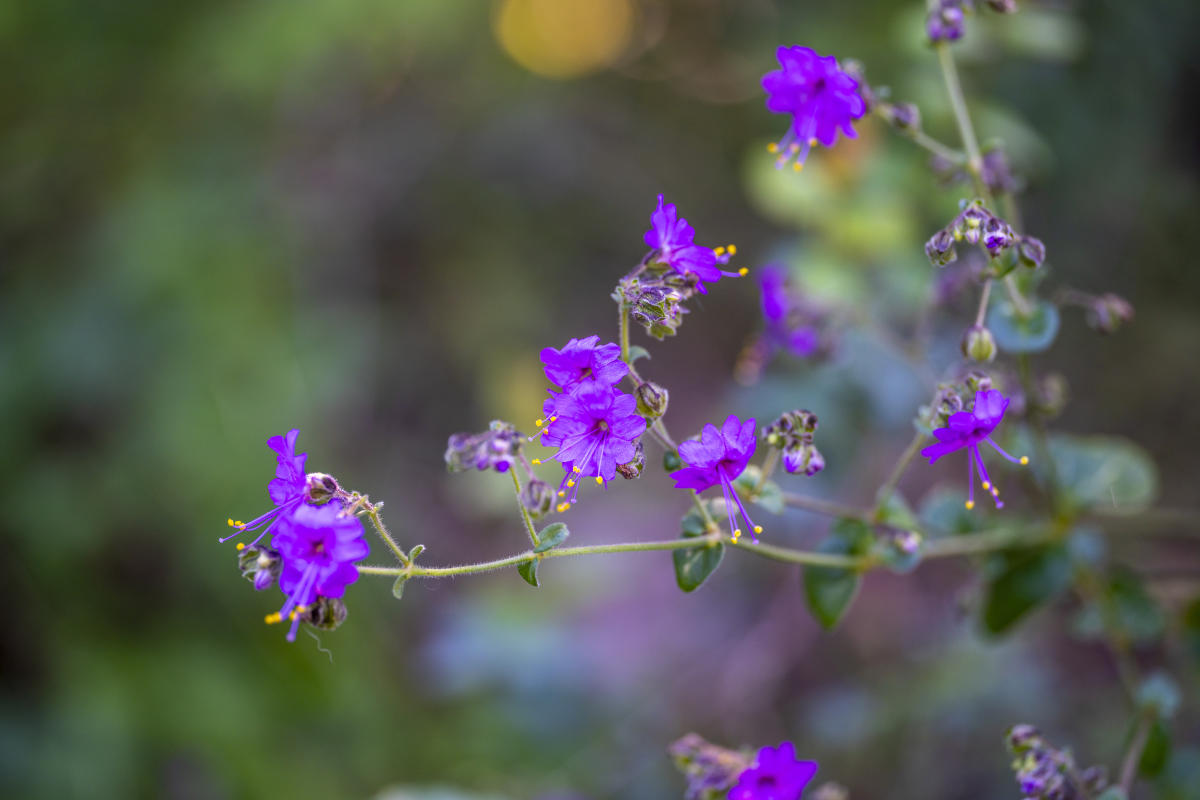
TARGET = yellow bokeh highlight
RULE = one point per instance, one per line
(564, 38)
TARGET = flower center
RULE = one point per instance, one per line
(602, 425)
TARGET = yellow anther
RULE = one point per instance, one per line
(812, 142)
(758, 528)
(957, 235)
(795, 147)
(552, 419)
(292, 616)
(773, 148)
(571, 482)
(576, 469)
(732, 249)
(561, 507)
(536, 461)
(231, 522)
(241, 545)
(539, 422)
(271, 619)
(986, 485)
(717, 251)
(562, 493)
(995, 492)
(798, 166)
(744, 271)
(1024, 460)
(599, 480)
(969, 504)
(737, 534)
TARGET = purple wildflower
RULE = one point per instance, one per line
(969, 428)
(287, 491)
(717, 460)
(584, 359)
(792, 325)
(672, 239)
(319, 545)
(595, 429)
(820, 96)
(776, 774)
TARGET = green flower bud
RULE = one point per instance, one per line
(978, 344)
(651, 400)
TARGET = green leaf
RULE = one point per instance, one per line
(416, 551)
(945, 511)
(694, 564)
(1022, 581)
(1191, 628)
(636, 352)
(672, 461)
(1103, 471)
(398, 586)
(1126, 608)
(1113, 793)
(830, 590)
(551, 536)
(528, 570)
(1015, 333)
(896, 513)
(1157, 752)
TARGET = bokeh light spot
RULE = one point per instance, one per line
(564, 38)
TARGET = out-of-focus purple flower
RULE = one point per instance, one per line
(792, 324)
(821, 97)
(319, 546)
(966, 429)
(717, 459)
(595, 429)
(496, 448)
(673, 241)
(287, 490)
(776, 774)
(583, 360)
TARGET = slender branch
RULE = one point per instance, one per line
(1133, 755)
(381, 529)
(983, 302)
(709, 523)
(889, 486)
(791, 556)
(823, 506)
(922, 139)
(524, 511)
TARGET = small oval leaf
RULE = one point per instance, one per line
(551, 536)
(528, 571)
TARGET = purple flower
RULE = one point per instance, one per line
(318, 545)
(595, 429)
(820, 96)
(792, 324)
(584, 359)
(717, 460)
(287, 491)
(774, 775)
(969, 428)
(672, 239)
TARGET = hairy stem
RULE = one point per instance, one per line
(983, 303)
(524, 511)
(381, 529)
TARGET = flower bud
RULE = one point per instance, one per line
(537, 497)
(1031, 251)
(978, 344)
(651, 400)
(904, 117)
(672, 461)
(1022, 738)
(260, 565)
(1108, 312)
(326, 614)
(977, 382)
(803, 457)
(320, 487)
(940, 248)
(633, 469)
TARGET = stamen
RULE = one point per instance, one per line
(758, 528)
(561, 507)
(576, 469)
(987, 486)
(799, 165)
(571, 482)
(812, 142)
(732, 249)
(773, 148)
(737, 534)
(562, 493)
(1024, 461)
(542, 424)
(271, 619)
(718, 251)
(744, 271)
(241, 545)
(536, 461)
(969, 504)
(599, 480)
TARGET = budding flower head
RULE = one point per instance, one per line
(710, 770)
(652, 400)
(260, 565)
(806, 458)
(821, 98)
(321, 488)
(978, 344)
(975, 225)
(496, 448)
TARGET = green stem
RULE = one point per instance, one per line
(983, 302)
(885, 492)
(922, 139)
(709, 523)
(524, 511)
(1133, 755)
(823, 507)
(768, 467)
(381, 529)
(790, 556)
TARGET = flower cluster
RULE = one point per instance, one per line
(946, 19)
(316, 540)
(774, 773)
(821, 97)
(976, 225)
(594, 424)
(965, 430)
(793, 434)
(1047, 773)
(717, 459)
(674, 271)
(496, 448)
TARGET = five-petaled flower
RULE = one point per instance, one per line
(318, 545)
(776, 774)
(717, 459)
(820, 96)
(288, 490)
(966, 429)
(595, 429)
(582, 360)
(673, 241)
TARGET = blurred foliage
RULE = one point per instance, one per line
(221, 220)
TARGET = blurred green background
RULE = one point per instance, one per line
(363, 218)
